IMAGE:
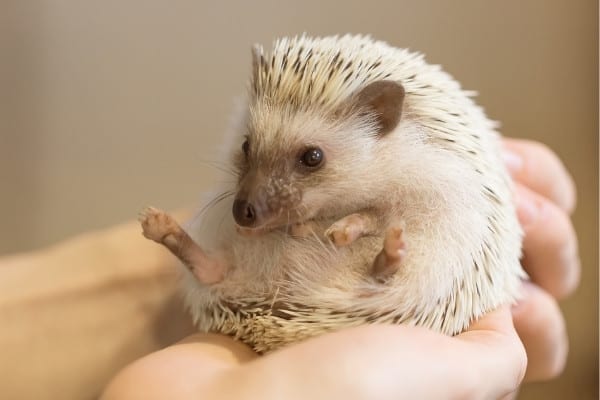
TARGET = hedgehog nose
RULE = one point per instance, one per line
(244, 213)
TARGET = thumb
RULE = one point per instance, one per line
(497, 352)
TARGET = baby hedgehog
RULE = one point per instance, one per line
(369, 189)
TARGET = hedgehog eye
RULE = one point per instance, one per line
(312, 158)
(246, 147)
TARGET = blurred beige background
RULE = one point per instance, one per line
(109, 105)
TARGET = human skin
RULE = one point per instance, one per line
(75, 313)
(398, 362)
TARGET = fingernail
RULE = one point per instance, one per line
(528, 210)
(524, 294)
(517, 307)
(512, 160)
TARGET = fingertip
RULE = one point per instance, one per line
(541, 327)
(550, 249)
(512, 160)
(499, 320)
(536, 166)
(495, 334)
(529, 206)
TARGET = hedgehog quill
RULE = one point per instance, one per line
(370, 189)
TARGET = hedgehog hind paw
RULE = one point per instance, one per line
(389, 259)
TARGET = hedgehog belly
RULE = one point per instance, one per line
(293, 306)
(298, 307)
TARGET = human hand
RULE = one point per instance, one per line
(368, 362)
(545, 196)
(377, 361)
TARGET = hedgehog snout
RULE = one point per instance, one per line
(252, 211)
(251, 208)
(261, 200)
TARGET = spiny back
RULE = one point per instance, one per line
(324, 72)
(319, 74)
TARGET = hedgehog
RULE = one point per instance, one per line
(369, 188)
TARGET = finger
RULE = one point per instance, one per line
(387, 361)
(511, 396)
(499, 321)
(550, 254)
(541, 327)
(537, 167)
(502, 350)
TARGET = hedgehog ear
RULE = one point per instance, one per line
(383, 99)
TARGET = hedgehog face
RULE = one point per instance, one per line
(293, 159)
(282, 156)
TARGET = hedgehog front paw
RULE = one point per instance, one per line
(346, 230)
(390, 258)
(162, 228)
(157, 224)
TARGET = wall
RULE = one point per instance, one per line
(106, 106)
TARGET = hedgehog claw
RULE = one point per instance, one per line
(143, 214)
(157, 224)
